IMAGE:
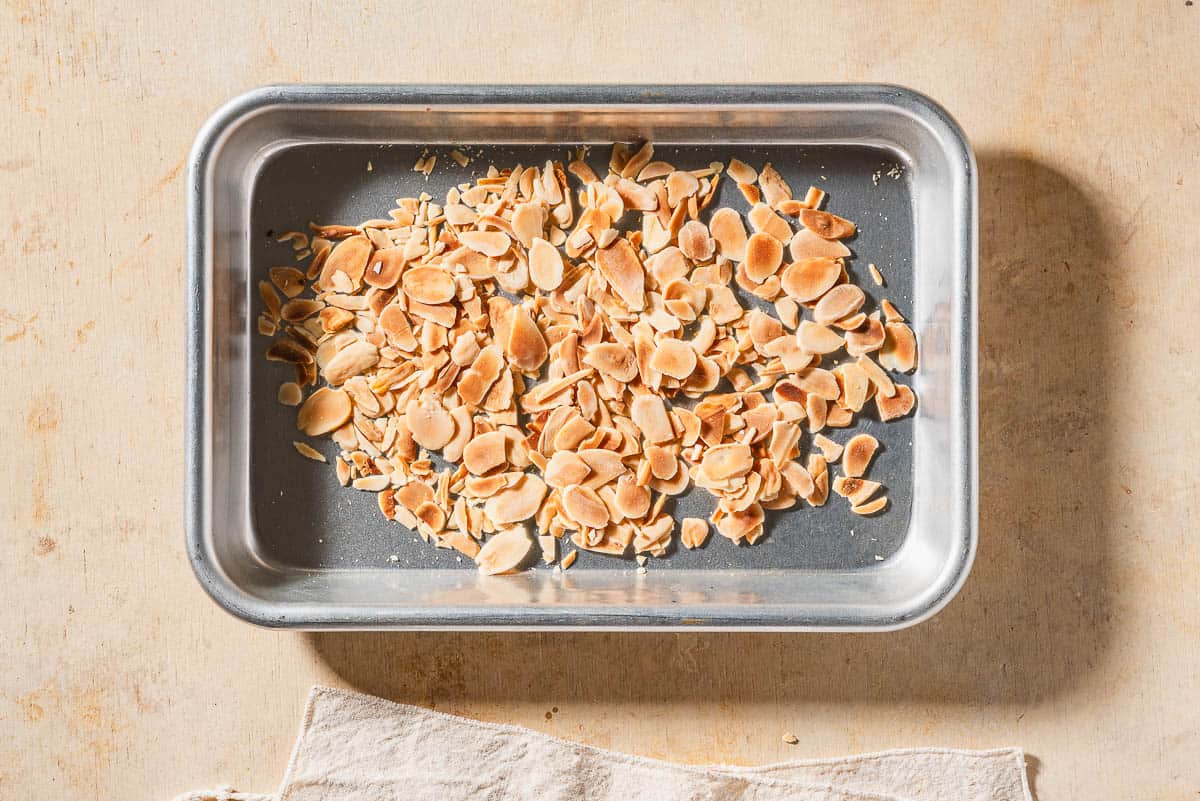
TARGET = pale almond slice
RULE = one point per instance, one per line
(430, 285)
(681, 186)
(807, 280)
(486, 487)
(504, 551)
(788, 311)
(632, 500)
(815, 338)
(604, 464)
(695, 242)
(516, 503)
(826, 225)
(489, 243)
(791, 208)
(308, 451)
(899, 351)
(764, 329)
(429, 423)
(526, 347)
(774, 189)
(742, 172)
(723, 306)
(585, 507)
(465, 350)
(354, 359)
(729, 233)
(764, 254)
(897, 405)
(289, 280)
(612, 359)
(832, 451)
(663, 463)
(841, 301)
(478, 380)
(764, 220)
(650, 416)
(877, 376)
(727, 461)
(620, 266)
(655, 169)
(397, 328)
(693, 531)
(860, 450)
(674, 358)
(569, 559)
(485, 452)
(371, 483)
(871, 507)
(856, 490)
(876, 276)
(545, 265)
(528, 222)
(565, 468)
(816, 409)
(290, 394)
(807, 245)
(890, 313)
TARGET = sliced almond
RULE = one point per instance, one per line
(289, 280)
(516, 503)
(430, 285)
(290, 394)
(308, 451)
(354, 359)
(693, 532)
(695, 242)
(325, 410)
(489, 243)
(858, 454)
(871, 507)
(585, 507)
(727, 461)
(632, 500)
(621, 267)
(429, 423)
(504, 551)
(899, 351)
(809, 279)
(729, 233)
(612, 359)
(890, 313)
(805, 244)
(650, 416)
(485, 452)
(348, 257)
(674, 358)
(855, 490)
(867, 339)
(841, 301)
(819, 471)
(528, 222)
(681, 186)
(877, 376)
(855, 385)
(526, 346)
(764, 254)
(565, 468)
(826, 225)
(384, 268)
(816, 338)
(742, 172)
(896, 406)
(764, 220)
(738, 526)
(774, 189)
(545, 265)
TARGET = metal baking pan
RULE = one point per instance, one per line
(276, 541)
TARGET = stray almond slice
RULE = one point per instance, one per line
(290, 393)
(826, 225)
(431, 515)
(775, 190)
(809, 279)
(871, 507)
(288, 351)
(546, 268)
(899, 351)
(858, 454)
(764, 254)
(289, 280)
(831, 450)
(428, 285)
(814, 197)
(569, 560)
(693, 531)
(877, 376)
(737, 526)
(526, 346)
(674, 358)
(325, 410)
(818, 469)
(585, 507)
(334, 319)
(504, 551)
(816, 338)
(485, 452)
(308, 451)
(896, 406)
(876, 276)
(807, 245)
(516, 503)
(841, 301)
(296, 310)
(612, 359)
(489, 243)
(855, 490)
(742, 172)
(650, 416)
(620, 266)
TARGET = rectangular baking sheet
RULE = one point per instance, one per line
(275, 540)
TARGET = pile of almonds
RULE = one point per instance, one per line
(563, 349)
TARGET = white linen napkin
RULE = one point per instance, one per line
(355, 747)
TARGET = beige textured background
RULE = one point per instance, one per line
(1075, 637)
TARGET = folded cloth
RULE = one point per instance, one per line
(354, 747)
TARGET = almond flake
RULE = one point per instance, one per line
(504, 551)
(858, 454)
(308, 452)
(871, 507)
(826, 225)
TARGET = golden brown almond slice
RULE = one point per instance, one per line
(612, 359)
(807, 245)
(384, 268)
(485, 452)
(516, 503)
(890, 313)
(852, 322)
(876, 276)
(504, 551)
(693, 532)
(638, 160)
(655, 169)
(750, 192)
(816, 409)
(528, 222)
(431, 515)
(373, 483)
(632, 500)
(585, 507)
(775, 190)
(325, 410)
(429, 423)
(867, 339)
(897, 405)
(663, 463)
(354, 359)
(877, 376)
(791, 208)
(815, 338)
(727, 461)
(871, 507)
(818, 469)
(856, 490)
(737, 526)
(763, 219)
(841, 301)
(826, 225)
(860, 450)
(650, 416)
(729, 232)
(899, 351)
(814, 197)
(569, 559)
(764, 328)
(674, 358)
(820, 382)
(334, 319)
(308, 451)
(565, 468)
(764, 254)
(430, 285)
(489, 243)
(723, 306)
(620, 266)
(290, 393)
(797, 479)
(807, 280)
(742, 172)
(526, 346)
(348, 257)
(788, 311)
(299, 309)
(573, 433)
(465, 350)
(681, 186)
(289, 280)
(856, 386)
(637, 197)
(288, 351)
(463, 431)
(478, 379)
(413, 494)
(604, 464)
(838, 416)
(695, 242)
(546, 268)
(398, 330)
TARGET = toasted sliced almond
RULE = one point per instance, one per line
(489, 243)
(430, 285)
(816, 410)
(289, 280)
(545, 265)
(681, 186)
(896, 406)
(876, 276)
(807, 245)
(516, 503)
(737, 526)
(774, 189)
(429, 423)
(485, 452)
(727, 461)
(650, 416)
(348, 257)
(528, 222)
(899, 351)
(325, 410)
(764, 254)
(695, 241)
(354, 359)
(504, 551)
(819, 471)
(742, 172)
(764, 220)
(384, 268)
(585, 507)
(289, 351)
(612, 359)
(290, 394)
(632, 500)
(855, 490)
(693, 532)
(526, 346)
(815, 338)
(877, 376)
(308, 451)
(858, 454)
(620, 266)
(841, 301)
(890, 313)
(809, 279)
(871, 507)
(867, 339)
(674, 358)
(826, 225)
(820, 382)
(729, 233)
